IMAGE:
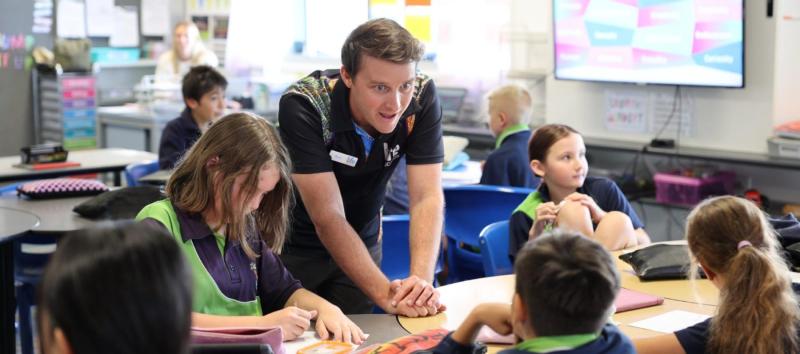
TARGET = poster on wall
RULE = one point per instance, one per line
(42, 16)
(220, 27)
(642, 112)
(626, 111)
(202, 25)
(71, 19)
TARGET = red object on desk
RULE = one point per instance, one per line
(51, 165)
(631, 300)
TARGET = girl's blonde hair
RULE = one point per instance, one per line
(730, 236)
(239, 143)
(197, 48)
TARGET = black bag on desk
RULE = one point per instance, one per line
(660, 262)
(123, 203)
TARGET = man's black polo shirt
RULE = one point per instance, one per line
(322, 99)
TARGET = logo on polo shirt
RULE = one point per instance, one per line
(390, 154)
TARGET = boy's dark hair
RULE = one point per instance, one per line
(567, 282)
(201, 80)
(123, 289)
(380, 38)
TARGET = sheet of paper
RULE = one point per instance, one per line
(308, 338)
(99, 17)
(666, 109)
(126, 27)
(42, 16)
(626, 111)
(71, 19)
(671, 321)
(157, 14)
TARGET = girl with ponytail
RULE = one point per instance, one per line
(758, 313)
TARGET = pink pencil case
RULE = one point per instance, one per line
(241, 335)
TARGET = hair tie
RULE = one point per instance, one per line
(743, 244)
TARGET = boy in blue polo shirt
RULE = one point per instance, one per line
(204, 94)
(565, 287)
(509, 112)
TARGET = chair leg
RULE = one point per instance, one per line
(24, 302)
(452, 271)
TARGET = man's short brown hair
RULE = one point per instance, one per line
(567, 282)
(380, 38)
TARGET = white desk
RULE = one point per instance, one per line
(92, 161)
(469, 174)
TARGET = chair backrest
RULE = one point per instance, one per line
(469, 208)
(135, 171)
(31, 253)
(9, 189)
(234, 348)
(494, 249)
(396, 253)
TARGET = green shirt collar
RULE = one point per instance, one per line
(516, 128)
(555, 343)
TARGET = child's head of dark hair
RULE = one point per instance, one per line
(544, 137)
(567, 283)
(201, 80)
(122, 289)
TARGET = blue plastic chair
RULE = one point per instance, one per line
(135, 171)
(31, 253)
(396, 253)
(468, 209)
(494, 249)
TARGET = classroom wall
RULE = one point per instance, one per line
(16, 127)
(727, 119)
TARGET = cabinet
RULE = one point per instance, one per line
(65, 109)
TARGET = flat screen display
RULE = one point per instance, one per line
(673, 42)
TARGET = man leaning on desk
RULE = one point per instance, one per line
(346, 131)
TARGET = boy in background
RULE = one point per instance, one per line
(204, 94)
(509, 113)
(565, 287)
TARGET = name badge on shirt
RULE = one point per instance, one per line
(343, 158)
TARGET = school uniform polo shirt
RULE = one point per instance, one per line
(694, 339)
(605, 193)
(508, 164)
(317, 127)
(609, 341)
(178, 136)
(238, 277)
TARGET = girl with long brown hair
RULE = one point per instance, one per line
(758, 312)
(228, 207)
